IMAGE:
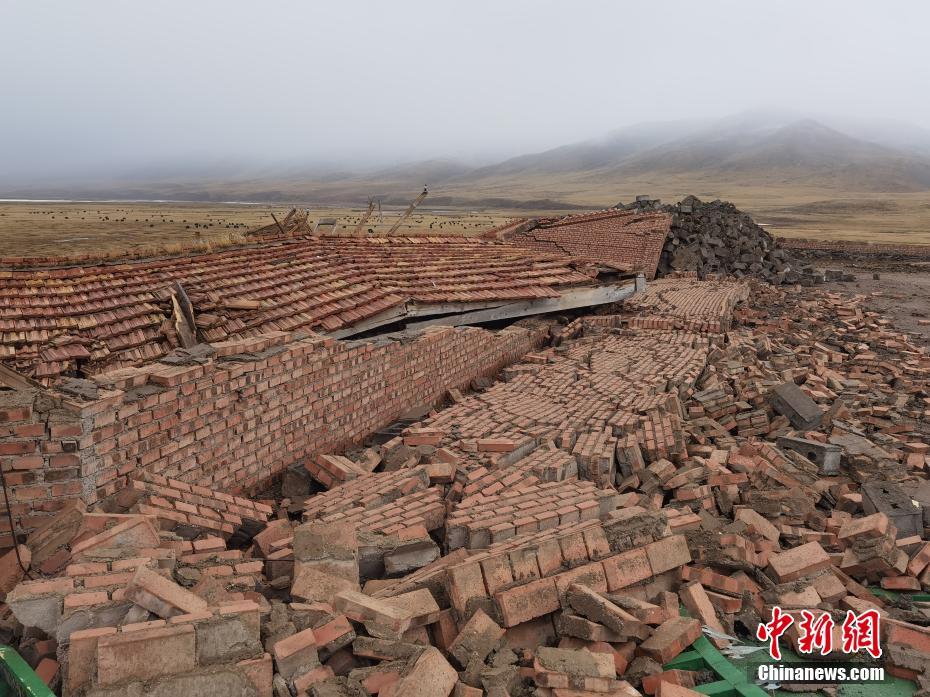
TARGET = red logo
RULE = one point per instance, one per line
(773, 630)
(861, 632)
(815, 632)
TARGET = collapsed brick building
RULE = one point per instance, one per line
(630, 239)
(266, 378)
(286, 469)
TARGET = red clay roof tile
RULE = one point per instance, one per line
(61, 317)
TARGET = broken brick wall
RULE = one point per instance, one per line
(258, 406)
(39, 454)
(631, 241)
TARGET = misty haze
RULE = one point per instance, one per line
(495, 107)
(525, 348)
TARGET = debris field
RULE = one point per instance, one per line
(630, 482)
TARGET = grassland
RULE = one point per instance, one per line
(72, 229)
(827, 214)
(54, 228)
(788, 210)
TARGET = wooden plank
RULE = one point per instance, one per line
(10, 378)
(184, 323)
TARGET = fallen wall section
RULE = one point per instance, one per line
(40, 444)
(253, 408)
(630, 240)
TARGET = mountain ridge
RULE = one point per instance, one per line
(762, 148)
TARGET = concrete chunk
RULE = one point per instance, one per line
(826, 455)
(145, 654)
(891, 499)
(791, 401)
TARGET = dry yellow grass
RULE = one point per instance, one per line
(787, 210)
(100, 229)
(107, 229)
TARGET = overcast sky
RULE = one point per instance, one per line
(96, 86)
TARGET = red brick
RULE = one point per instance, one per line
(627, 568)
(296, 652)
(668, 553)
(75, 600)
(698, 604)
(47, 670)
(919, 561)
(496, 445)
(907, 635)
(260, 672)
(82, 657)
(671, 638)
(900, 583)
(869, 527)
(17, 447)
(17, 414)
(526, 602)
(797, 562)
(161, 596)
(430, 675)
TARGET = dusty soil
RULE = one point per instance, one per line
(903, 296)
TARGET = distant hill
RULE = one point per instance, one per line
(803, 152)
(709, 157)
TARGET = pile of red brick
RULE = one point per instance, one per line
(566, 531)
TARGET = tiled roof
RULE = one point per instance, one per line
(631, 240)
(60, 318)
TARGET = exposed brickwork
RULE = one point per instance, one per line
(680, 303)
(159, 651)
(174, 503)
(40, 452)
(625, 383)
(481, 520)
(234, 422)
(607, 480)
(629, 240)
(367, 493)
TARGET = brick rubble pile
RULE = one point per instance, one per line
(717, 238)
(648, 479)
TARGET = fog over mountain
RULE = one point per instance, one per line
(228, 97)
(756, 148)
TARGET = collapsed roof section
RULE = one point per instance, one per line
(631, 240)
(62, 318)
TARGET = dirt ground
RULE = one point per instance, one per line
(903, 296)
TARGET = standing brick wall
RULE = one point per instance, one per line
(40, 457)
(260, 405)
